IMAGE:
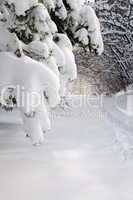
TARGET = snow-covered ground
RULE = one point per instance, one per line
(87, 155)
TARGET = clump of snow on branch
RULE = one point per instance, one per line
(9, 42)
(80, 22)
(69, 70)
(89, 20)
(15, 71)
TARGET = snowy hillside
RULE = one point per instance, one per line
(82, 157)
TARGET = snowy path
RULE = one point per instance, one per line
(79, 160)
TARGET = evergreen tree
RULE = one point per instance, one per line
(43, 32)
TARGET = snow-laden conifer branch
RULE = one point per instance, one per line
(31, 30)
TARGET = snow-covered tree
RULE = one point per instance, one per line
(113, 71)
(117, 21)
(43, 32)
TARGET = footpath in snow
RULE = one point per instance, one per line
(86, 156)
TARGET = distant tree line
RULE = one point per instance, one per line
(113, 71)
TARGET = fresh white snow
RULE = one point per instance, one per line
(22, 6)
(9, 41)
(29, 91)
(80, 159)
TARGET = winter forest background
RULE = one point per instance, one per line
(113, 70)
(109, 72)
(86, 139)
(47, 34)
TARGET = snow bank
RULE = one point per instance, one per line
(77, 162)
